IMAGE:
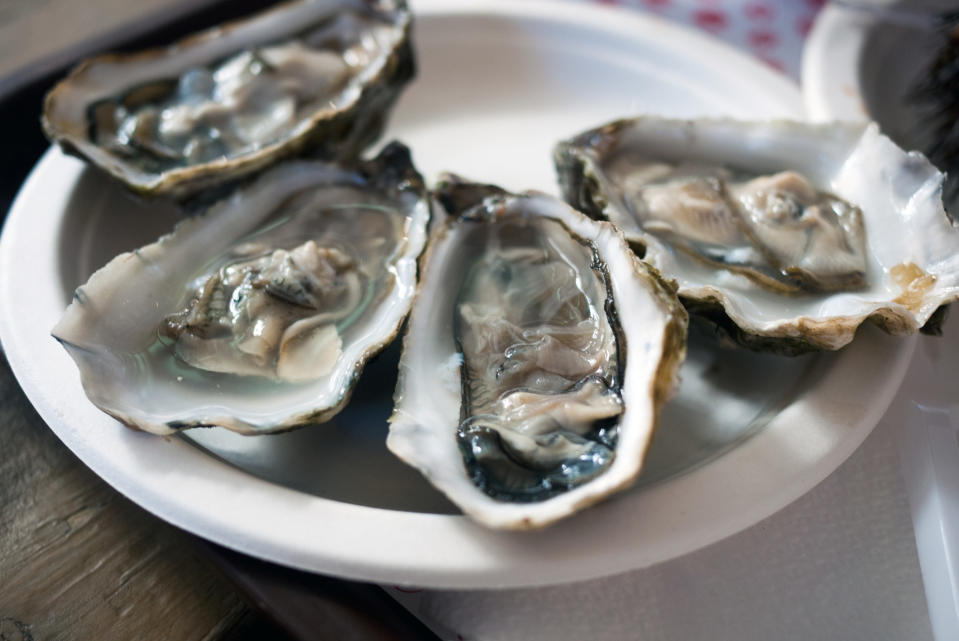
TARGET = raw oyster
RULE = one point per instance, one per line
(259, 314)
(538, 355)
(784, 236)
(310, 74)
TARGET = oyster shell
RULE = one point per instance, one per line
(310, 74)
(538, 355)
(784, 236)
(259, 314)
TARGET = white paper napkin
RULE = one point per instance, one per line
(838, 564)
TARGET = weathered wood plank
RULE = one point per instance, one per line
(37, 36)
(80, 561)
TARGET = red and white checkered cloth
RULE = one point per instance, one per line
(771, 30)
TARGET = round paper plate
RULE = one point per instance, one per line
(499, 84)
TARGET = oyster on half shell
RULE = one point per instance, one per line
(317, 75)
(259, 314)
(783, 236)
(538, 355)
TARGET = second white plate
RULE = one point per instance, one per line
(863, 62)
(499, 83)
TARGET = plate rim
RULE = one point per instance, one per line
(401, 554)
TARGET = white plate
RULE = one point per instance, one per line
(499, 83)
(860, 64)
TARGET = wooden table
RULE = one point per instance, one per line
(80, 561)
(39, 36)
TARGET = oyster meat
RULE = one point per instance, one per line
(777, 230)
(537, 358)
(317, 74)
(784, 236)
(259, 314)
